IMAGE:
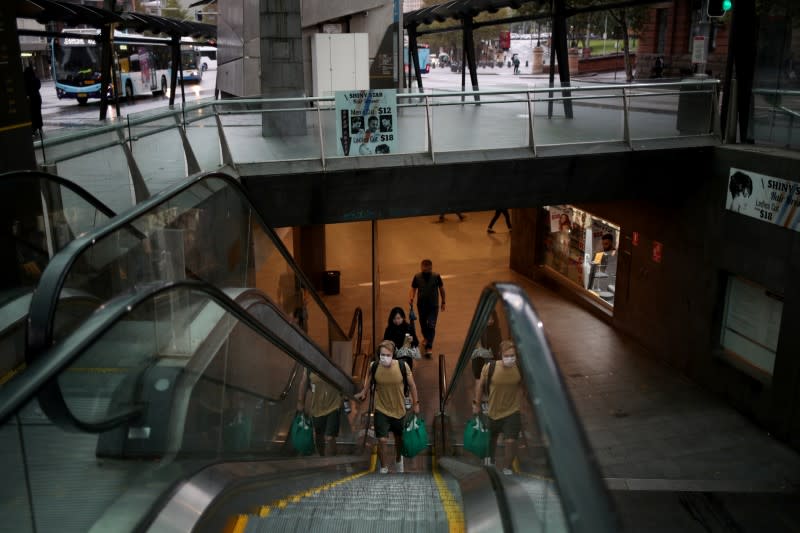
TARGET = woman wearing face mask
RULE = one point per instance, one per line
(385, 381)
(502, 383)
(396, 330)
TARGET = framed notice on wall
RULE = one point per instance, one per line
(751, 325)
(766, 198)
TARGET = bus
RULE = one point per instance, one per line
(142, 64)
(190, 60)
(208, 57)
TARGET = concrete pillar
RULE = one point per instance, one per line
(15, 125)
(538, 60)
(281, 42)
(309, 252)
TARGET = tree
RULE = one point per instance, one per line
(174, 10)
(628, 20)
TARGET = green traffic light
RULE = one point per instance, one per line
(726, 5)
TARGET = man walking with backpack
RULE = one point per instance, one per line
(390, 381)
(502, 383)
(427, 286)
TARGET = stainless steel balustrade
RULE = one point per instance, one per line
(144, 152)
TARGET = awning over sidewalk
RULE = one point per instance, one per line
(44, 11)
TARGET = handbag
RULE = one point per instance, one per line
(415, 436)
(476, 437)
(302, 434)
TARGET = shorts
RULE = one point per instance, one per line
(328, 424)
(384, 424)
(509, 426)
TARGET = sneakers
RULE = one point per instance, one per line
(461, 217)
(487, 461)
(507, 471)
(384, 470)
(489, 230)
(428, 355)
(398, 466)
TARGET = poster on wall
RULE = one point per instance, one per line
(766, 198)
(366, 122)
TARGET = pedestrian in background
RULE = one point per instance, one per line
(32, 86)
(497, 214)
(427, 286)
(461, 217)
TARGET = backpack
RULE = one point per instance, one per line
(486, 385)
(374, 368)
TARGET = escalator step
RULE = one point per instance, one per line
(372, 503)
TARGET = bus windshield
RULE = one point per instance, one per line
(189, 59)
(76, 63)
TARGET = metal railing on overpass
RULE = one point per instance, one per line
(131, 158)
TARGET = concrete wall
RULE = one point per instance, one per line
(239, 27)
(674, 308)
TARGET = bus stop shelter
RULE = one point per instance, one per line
(75, 15)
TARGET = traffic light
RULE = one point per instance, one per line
(718, 8)
(198, 16)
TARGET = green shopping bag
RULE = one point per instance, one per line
(302, 434)
(476, 437)
(415, 436)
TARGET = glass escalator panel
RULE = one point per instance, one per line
(507, 410)
(208, 231)
(39, 215)
(188, 380)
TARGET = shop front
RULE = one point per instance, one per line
(581, 249)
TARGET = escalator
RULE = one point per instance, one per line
(39, 215)
(202, 229)
(195, 439)
(169, 407)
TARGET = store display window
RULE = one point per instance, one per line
(582, 248)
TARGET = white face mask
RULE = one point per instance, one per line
(386, 360)
(509, 361)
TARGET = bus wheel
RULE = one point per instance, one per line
(82, 100)
(164, 86)
(129, 91)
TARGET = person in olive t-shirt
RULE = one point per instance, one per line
(390, 409)
(325, 404)
(505, 394)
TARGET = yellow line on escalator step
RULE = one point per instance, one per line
(452, 509)
(11, 373)
(236, 524)
(282, 503)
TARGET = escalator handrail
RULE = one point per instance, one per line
(44, 370)
(585, 498)
(45, 299)
(71, 185)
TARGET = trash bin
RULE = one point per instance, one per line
(330, 281)
(694, 109)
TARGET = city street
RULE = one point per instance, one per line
(66, 113)
(59, 114)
